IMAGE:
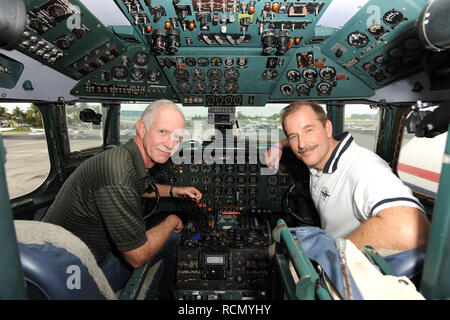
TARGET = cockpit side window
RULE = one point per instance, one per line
(27, 160)
(83, 135)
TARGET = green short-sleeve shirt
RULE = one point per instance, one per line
(101, 201)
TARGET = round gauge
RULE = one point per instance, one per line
(310, 74)
(241, 180)
(408, 62)
(216, 61)
(303, 89)
(269, 74)
(376, 30)
(198, 74)
(154, 75)
(181, 74)
(228, 62)
(231, 74)
(205, 168)
(183, 87)
(194, 167)
(119, 73)
(215, 87)
(412, 44)
(253, 168)
(324, 88)
(190, 62)
(381, 60)
(395, 53)
(217, 179)
(137, 74)
(214, 74)
(327, 73)
(293, 75)
(369, 67)
(393, 69)
(195, 180)
(56, 10)
(286, 89)
(231, 87)
(203, 62)
(229, 168)
(379, 76)
(393, 17)
(229, 179)
(242, 62)
(141, 59)
(217, 168)
(357, 39)
(199, 87)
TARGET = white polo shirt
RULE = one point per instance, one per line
(355, 185)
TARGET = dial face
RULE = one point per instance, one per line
(393, 17)
(154, 75)
(324, 88)
(198, 74)
(228, 62)
(181, 74)
(303, 89)
(369, 67)
(327, 73)
(203, 62)
(137, 74)
(191, 62)
(269, 74)
(357, 39)
(379, 76)
(231, 87)
(199, 87)
(393, 69)
(119, 73)
(412, 44)
(216, 61)
(310, 74)
(286, 89)
(183, 86)
(141, 59)
(215, 87)
(376, 30)
(214, 74)
(395, 53)
(381, 60)
(231, 74)
(242, 62)
(293, 75)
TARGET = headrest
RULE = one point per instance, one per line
(58, 264)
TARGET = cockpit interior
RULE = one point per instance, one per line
(224, 57)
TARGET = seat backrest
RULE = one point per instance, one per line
(57, 265)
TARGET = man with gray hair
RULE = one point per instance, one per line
(101, 200)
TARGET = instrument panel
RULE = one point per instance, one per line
(226, 52)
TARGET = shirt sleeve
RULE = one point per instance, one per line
(120, 209)
(376, 187)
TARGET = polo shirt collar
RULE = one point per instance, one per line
(345, 139)
(136, 155)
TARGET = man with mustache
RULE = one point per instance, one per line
(353, 189)
(101, 200)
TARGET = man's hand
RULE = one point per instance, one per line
(273, 155)
(190, 192)
(176, 223)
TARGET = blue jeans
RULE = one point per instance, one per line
(118, 272)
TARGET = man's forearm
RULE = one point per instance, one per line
(397, 228)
